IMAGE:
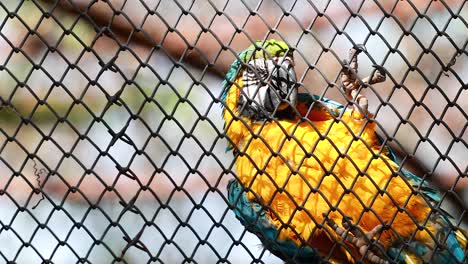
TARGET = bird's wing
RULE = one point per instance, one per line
(317, 108)
(254, 217)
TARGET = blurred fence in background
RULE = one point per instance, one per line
(111, 137)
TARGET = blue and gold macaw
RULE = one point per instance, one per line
(313, 179)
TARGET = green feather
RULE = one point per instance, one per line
(260, 49)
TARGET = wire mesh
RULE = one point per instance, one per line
(112, 140)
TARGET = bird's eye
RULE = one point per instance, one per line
(259, 74)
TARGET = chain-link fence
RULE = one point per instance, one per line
(112, 140)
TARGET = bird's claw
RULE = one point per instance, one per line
(364, 242)
(359, 47)
(352, 85)
(377, 76)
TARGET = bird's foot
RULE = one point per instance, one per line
(352, 85)
(370, 250)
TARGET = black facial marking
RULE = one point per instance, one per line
(269, 87)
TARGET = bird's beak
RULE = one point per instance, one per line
(282, 90)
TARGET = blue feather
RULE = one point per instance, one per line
(231, 76)
(252, 215)
(254, 218)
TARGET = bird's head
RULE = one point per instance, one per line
(261, 83)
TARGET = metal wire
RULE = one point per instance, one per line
(112, 145)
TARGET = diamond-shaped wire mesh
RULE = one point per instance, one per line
(112, 145)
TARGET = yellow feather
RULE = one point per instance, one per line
(411, 258)
(461, 238)
(301, 171)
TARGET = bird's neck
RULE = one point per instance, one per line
(234, 126)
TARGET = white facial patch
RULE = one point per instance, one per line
(255, 79)
(269, 86)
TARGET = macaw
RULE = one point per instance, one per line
(313, 178)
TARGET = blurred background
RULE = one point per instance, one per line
(111, 129)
